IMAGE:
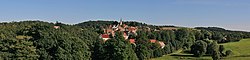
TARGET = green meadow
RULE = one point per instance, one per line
(241, 51)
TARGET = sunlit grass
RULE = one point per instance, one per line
(241, 51)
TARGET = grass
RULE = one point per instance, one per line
(178, 55)
(241, 51)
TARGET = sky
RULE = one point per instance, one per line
(229, 14)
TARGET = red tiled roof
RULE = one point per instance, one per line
(132, 40)
(125, 34)
(105, 36)
(152, 40)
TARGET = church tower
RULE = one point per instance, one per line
(120, 22)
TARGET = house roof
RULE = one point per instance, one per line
(105, 36)
(125, 34)
(56, 27)
(132, 40)
(153, 40)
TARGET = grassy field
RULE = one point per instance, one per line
(241, 51)
(181, 56)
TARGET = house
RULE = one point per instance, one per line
(153, 40)
(125, 35)
(105, 37)
(132, 41)
(119, 27)
(124, 26)
(56, 27)
(132, 29)
(161, 44)
(109, 31)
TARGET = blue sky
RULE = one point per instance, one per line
(230, 14)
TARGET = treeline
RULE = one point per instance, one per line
(40, 40)
(223, 35)
(101, 23)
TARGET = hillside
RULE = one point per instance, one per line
(103, 40)
(240, 50)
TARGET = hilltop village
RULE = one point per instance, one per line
(128, 31)
(109, 40)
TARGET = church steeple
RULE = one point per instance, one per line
(120, 21)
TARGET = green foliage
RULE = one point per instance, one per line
(142, 48)
(221, 49)
(216, 55)
(229, 52)
(199, 48)
(39, 40)
(34, 40)
(217, 36)
(213, 49)
(17, 49)
(219, 33)
(115, 49)
(207, 34)
(142, 52)
(186, 37)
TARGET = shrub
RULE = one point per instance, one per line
(229, 52)
(199, 48)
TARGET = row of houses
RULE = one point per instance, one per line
(120, 27)
(127, 31)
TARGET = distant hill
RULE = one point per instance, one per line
(102, 23)
(218, 29)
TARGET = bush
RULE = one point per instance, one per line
(221, 49)
(229, 52)
(199, 48)
(216, 55)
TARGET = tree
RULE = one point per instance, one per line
(199, 48)
(221, 49)
(198, 35)
(182, 35)
(229, 52)
(118, 49)
(34, 40)
(216, 55)
(98, 50)
(142, 50)
(214, 49)
(186, 37)
(207, 34)
(18, 48)
(212, 45)
(217, 36)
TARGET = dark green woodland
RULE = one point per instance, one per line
(39, 40)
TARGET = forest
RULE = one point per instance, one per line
(39, 40)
